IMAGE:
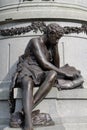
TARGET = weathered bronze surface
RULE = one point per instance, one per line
(39, 66)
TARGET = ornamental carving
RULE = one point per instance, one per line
(41, 26)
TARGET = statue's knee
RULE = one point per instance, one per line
(27, 82)
(30, 84)
(53, 74)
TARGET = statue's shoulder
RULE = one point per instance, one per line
(35, 41)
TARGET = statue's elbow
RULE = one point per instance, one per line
(45, 66)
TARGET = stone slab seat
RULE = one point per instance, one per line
(79, 94)
(53, 94)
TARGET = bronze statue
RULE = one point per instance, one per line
(39, 66)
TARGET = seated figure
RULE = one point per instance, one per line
(39, 66)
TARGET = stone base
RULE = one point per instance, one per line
(75, 126)
(67, 108)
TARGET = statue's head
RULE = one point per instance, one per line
(54, 32)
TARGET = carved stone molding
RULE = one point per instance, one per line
(41, 26)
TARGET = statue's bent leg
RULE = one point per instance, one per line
(45, 87)
(27, 84)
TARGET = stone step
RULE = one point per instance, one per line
(65, 111)
(67, 126)
(61, 111)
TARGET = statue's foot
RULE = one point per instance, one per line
(16, 120)
(42, 119)
(35, 112)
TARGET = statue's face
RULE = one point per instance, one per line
(53, 39)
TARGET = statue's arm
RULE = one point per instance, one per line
(56, 57)
(41, 58)
(14, 79)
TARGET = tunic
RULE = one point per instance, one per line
(29, 66)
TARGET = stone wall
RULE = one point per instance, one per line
(61, 9)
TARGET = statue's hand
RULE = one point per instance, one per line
(72, 75)
(76, 74)
(69, 76)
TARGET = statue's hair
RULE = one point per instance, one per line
(55, 28)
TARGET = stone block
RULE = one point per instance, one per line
(4, 90)
(74, 94)
(52, 93)
(4, 112)
(71, 111)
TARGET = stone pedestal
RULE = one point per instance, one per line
(67, 108)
